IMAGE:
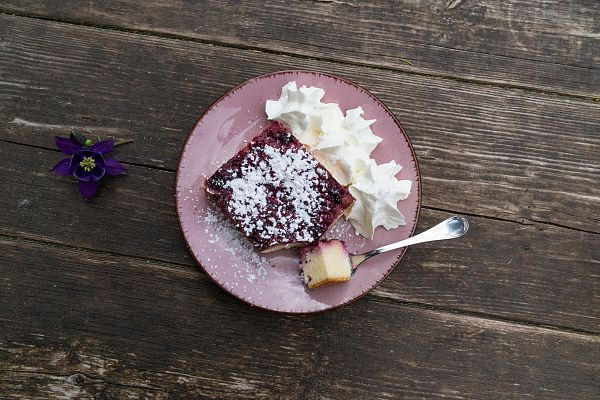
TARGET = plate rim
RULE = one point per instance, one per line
(312, 72)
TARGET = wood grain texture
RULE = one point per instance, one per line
(132, 214)
(482, 150)
(102, 300)
(17, 385)
(532, 271)
(547, 45)
(69, 330)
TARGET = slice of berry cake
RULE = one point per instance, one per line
(276, 192)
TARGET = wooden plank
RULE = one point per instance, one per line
(42, 386)
(535, 272)
(551, 46)
(482, 150)
(132, 214)
(128, 324)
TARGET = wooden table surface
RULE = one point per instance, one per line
(501, 101)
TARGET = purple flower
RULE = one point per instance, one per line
(87, 162)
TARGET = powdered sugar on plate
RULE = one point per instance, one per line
(222, 236)
(343, 231)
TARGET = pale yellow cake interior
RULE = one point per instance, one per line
(326, 263)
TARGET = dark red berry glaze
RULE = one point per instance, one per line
(332, 197)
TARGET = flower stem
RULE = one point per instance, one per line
(123, 141)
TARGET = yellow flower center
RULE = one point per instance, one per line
(87, 164)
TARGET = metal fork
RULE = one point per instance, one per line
(451, 228)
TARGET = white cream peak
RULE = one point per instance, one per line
(377, 192)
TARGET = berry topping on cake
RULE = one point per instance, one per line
(276, 193)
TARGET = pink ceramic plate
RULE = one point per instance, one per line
(272, 281)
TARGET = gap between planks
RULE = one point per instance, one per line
(58, 151)
(520, 221)
(376, 295)
(176, 37)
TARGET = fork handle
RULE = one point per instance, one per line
(450, 228)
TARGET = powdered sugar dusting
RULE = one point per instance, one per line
(249, 264)
(295, 172)
(276, 192)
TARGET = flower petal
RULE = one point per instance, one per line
(103, 147)
(66, 145)
(98, 173)
(113, 167)
(98, 159)
(82, 174)
(62, 167)
(87, 189)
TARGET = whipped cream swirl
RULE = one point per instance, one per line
(343, 144)
(377, 192)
